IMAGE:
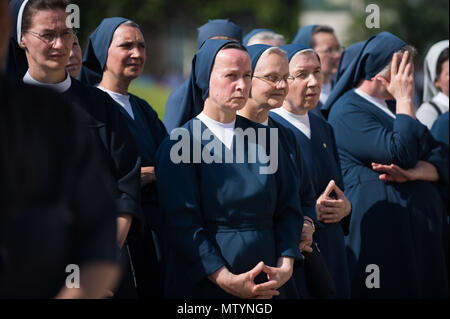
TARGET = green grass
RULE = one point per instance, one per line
(155, 95)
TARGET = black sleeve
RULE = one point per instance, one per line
(126, 162)
(92, 200)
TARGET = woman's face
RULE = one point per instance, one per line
(74, 65)
(442, 81)
(126, 54)
(230, 80)
(43, 50)
(269, 83)
(305, 87)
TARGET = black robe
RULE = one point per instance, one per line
(56, 203)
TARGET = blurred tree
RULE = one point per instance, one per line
(164, 22)
(420, 23)
(281, 15)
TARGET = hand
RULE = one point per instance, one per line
(330, 210)
(123, 227)
(392, 173)
(307, 236)
(242, 285)
(401, 85)
(277, 276)
(147, 175)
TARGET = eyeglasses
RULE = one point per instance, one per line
(50, 37)
(274, 80)
(332, 50)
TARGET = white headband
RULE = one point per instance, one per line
(19, 21)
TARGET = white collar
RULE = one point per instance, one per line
(205, 118)
(381, 104)
(441, 99)
(60, 87)
(121, 96)
(301, 122)
(223, 131)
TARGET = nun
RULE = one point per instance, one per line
(440, 129)
(48, 164)
(233, 226)
(348, 55)
(322, 40)
(57, 213)
(44, 40)
(75, 58)
(270, 70)
(264, 36)
(269, 88)
(436, 87)
(114, 57)
(178, 109)
(316, 139)
(395, 242)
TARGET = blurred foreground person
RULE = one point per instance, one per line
(56, 206)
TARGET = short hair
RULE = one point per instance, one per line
(267, 35)
(442, 58)
(36, 5)
(319, 29)
(131, 23)
(412, 51)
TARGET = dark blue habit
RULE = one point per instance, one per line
(306, 192)
(347, 57)
(218, 27)
(320, 154)
(440, 129)
(249, 35)
(396, 226)
(178, 108)
(107, 126)
(107, 123)
(103, 116)
(16, 61)
(56, 204)
(303, 35)
(223, 214)
(96, 54)
(148, 132)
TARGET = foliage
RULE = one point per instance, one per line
(417, 22)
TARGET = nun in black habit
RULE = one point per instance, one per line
(40, 45)
(114, 57)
